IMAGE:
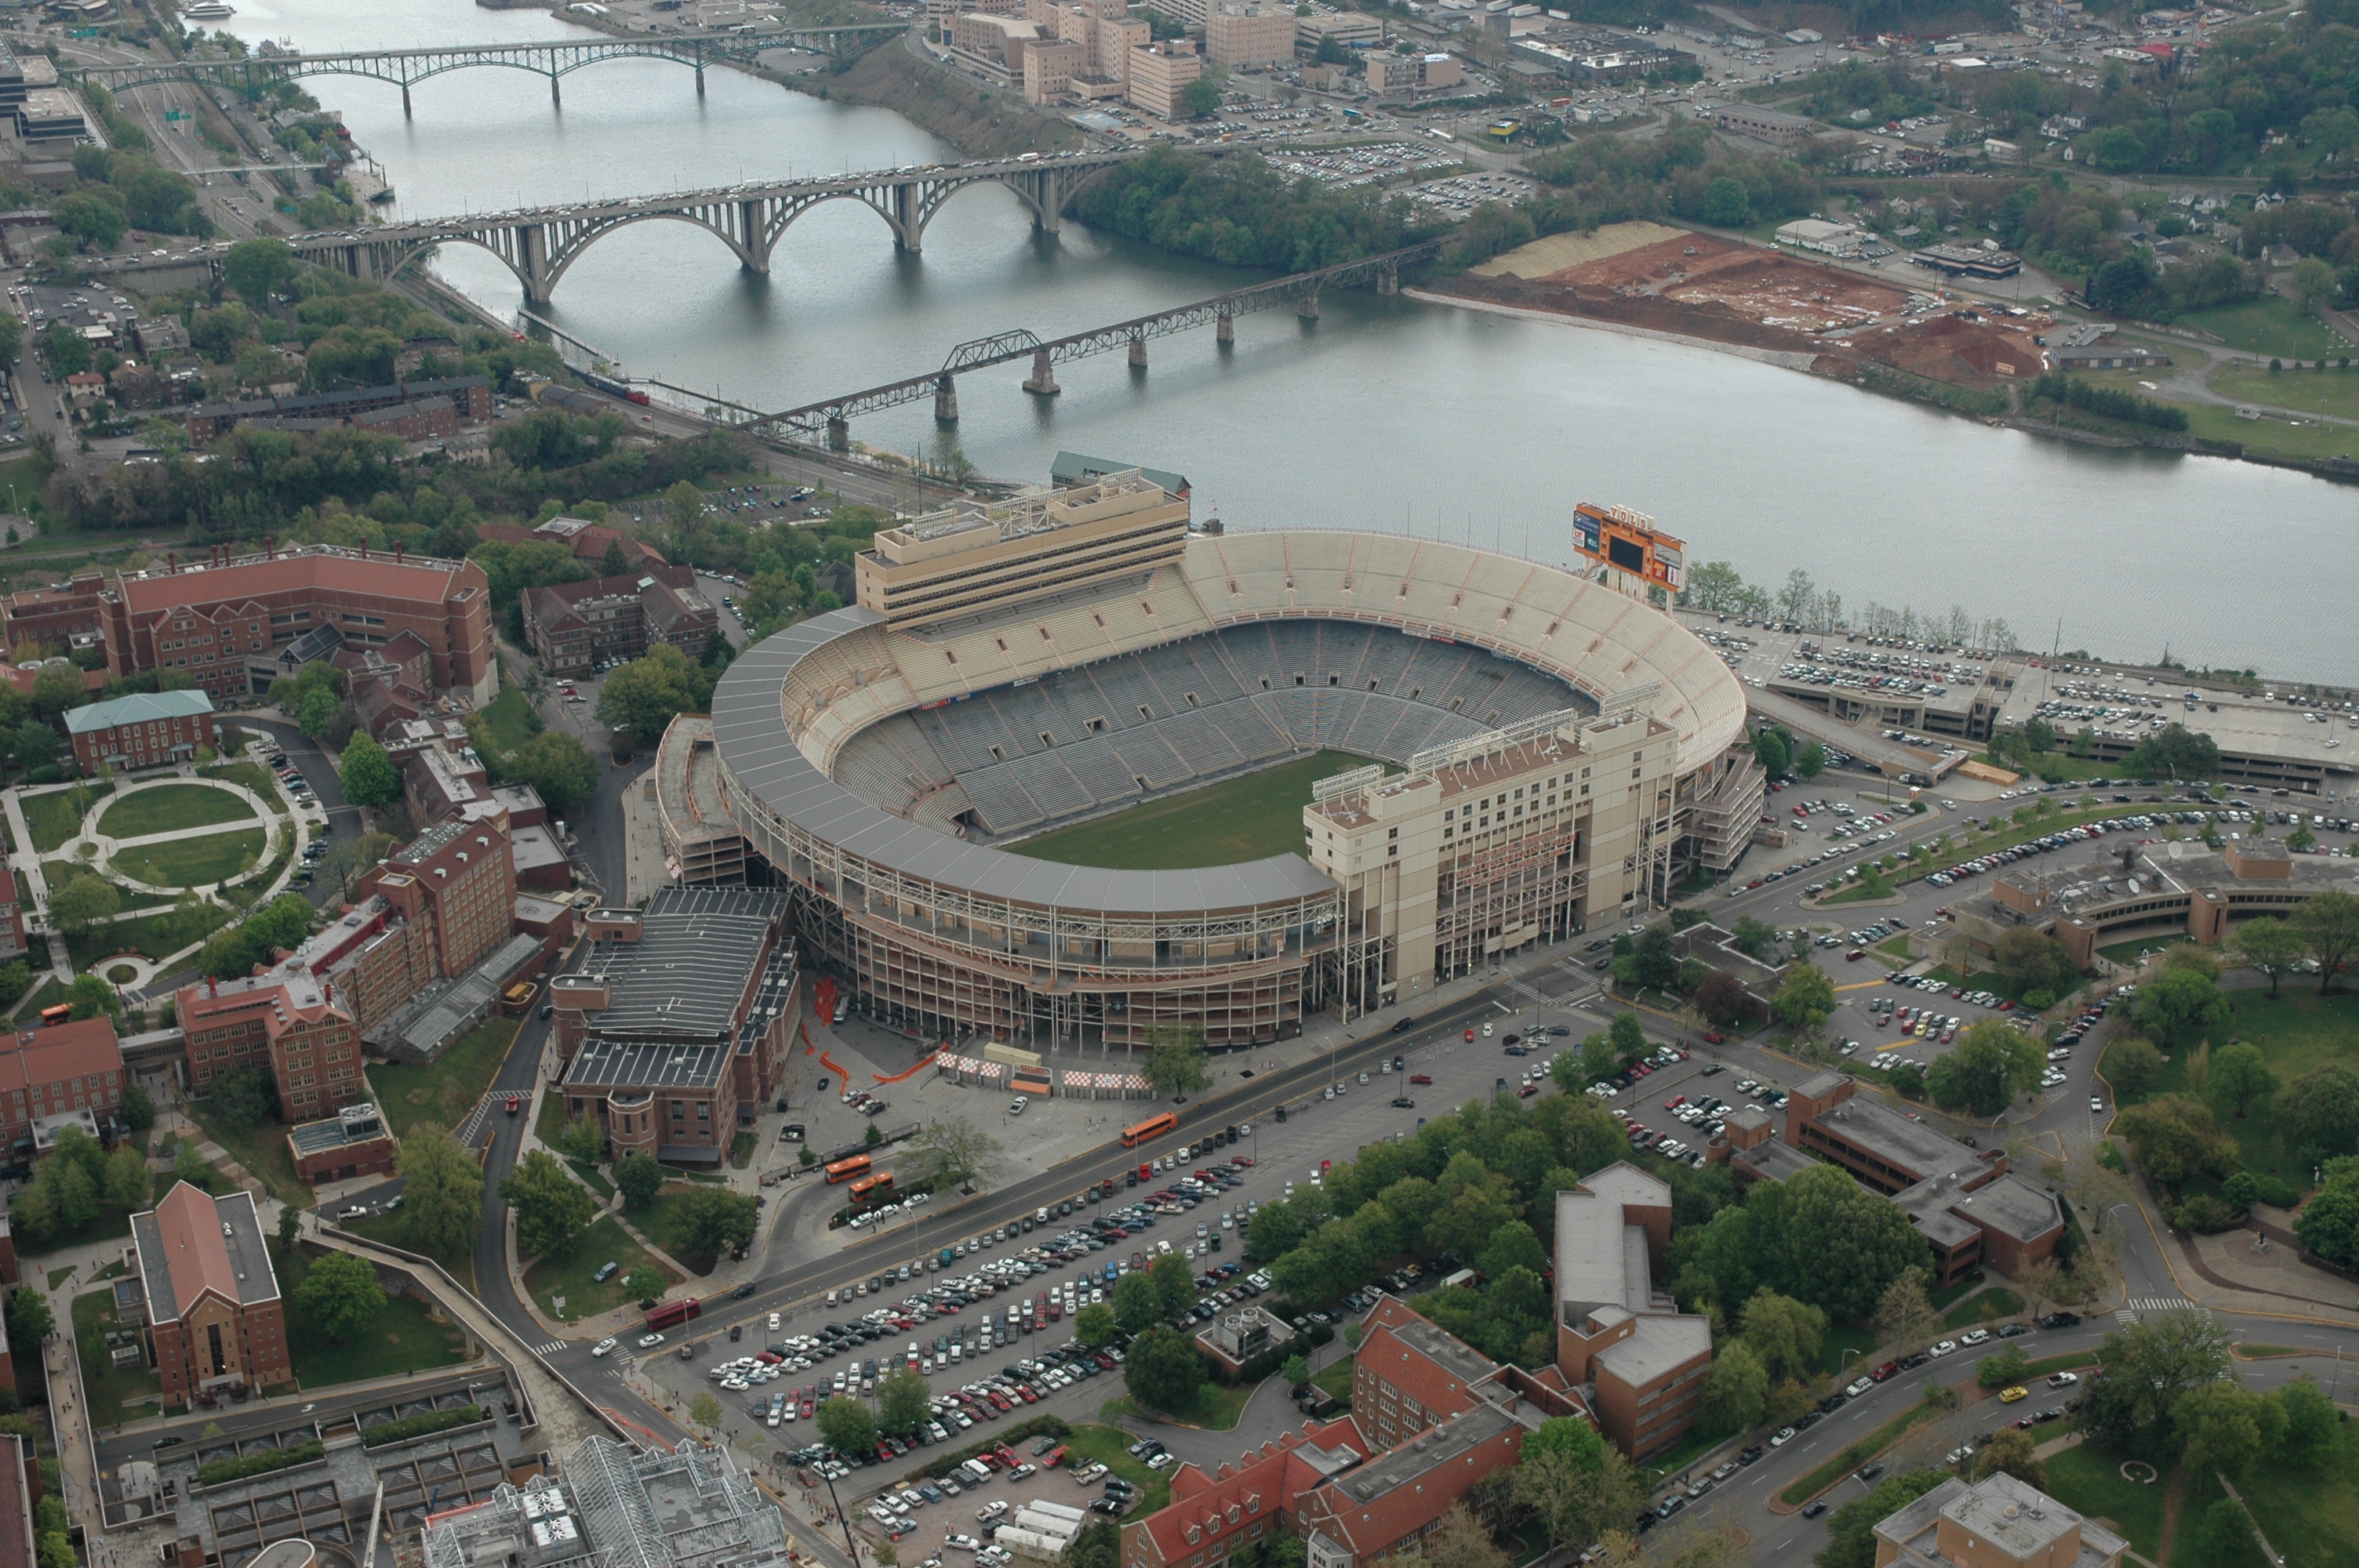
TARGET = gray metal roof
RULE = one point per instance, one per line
(636, 1064)
(750, 731)
(684, 975)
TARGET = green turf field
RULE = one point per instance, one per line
(1249, 818)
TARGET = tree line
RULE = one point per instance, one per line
(1718, 588)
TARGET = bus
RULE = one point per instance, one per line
(847, 1169)
(1146, 1131)
(53, 1016)
(671, 1314)
(879, 1185)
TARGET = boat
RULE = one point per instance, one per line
(207, 11)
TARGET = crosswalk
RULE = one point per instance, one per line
(554, 1347)
(2138, 1306)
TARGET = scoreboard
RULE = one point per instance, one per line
(1629, 542)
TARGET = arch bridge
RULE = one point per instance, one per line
(539, 244)
(554, 58)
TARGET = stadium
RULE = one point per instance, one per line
(1081, 655)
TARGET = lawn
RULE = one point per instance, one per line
(592, 1180)
(604, 1242)
(403, 1339)
(448, 1090)
(1840, 1338)
(2310, 1517)
(49, 993)
(2270, 325)
(1990, 1306)
(261, 1149)
(2270, 434)
(2334, 391)
(254, 776)
(191, 862)
(2088, 1479)
(60, 871)
(390, 1228)
(113, 1390)
(2156, 942)
(741, 1149)
(511, 719)
(55, 817)
(2298, 1031)
(157, 935)
(1110, 1446)
(1335, 1380)
(166, 808)
(659, 1223)
(1249, 818)
(1216, 1408)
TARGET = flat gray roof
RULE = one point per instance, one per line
(1903, 1144)
(750, 730)
(698, 949)
(637, 1064)
(2012, 1206)
(1661, 1342)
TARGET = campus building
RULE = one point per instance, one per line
(1249, 32)
(146, 730)
(1969, 1208)
(455, 887)
(573, 626)
(211, 1297)
(287, 1019)
(674, 1024)
(587, 540)
(242, 621)
(406, 408)
(67, 1075)
(1997, 1522)
(1621, 1341)
(355, 1142)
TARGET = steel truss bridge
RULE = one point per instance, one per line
(539, 244)
(555, 59)
(1301, 290)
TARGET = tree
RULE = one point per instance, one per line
(1094, 1325)
(1850, 1528)
(2321, 1109)
(638, 1178)
(1175, 1061)
(901, 1400)
(2306, 1423)
(84, 903)
(1654, 960)
(2178, 1002)
(1784, 1334)
(128, 1183)
(1990, 1065)
(2241, 1075)
(645, 1283)
(1460, 1540)
(646, 695)
(2175, 1138)
(560, 767)
(952, 1152)
(551, 1208)
(340, 1296)
(848, 1427)
(704, 1410)
(715, 1220)
(91, 997)
(442, 1193)
(1163, 1370)
(1099, 1545)
(2271, 945)
(1805, 998)
(1175, 1285)
(1756, 939)
(2328, 924)
(2218, 1426)
(2011, 1452)
(368, 775)
(1825, 1240)
(1572, 1482)
(1769, 750)
(324, 717)
(1133, 1299)
(1202, 97)
(1628, 1036)
(290, 1225)
(1904, 1314)
(2006, 1367)
(2032, 960)
(29, 1318)
(2328, 1224)
(579, 1138)
(33, 744)
(1812, 762)
(258, 268)
(2178, 751)
(1736, 1390)
(2132, 1065)
(2037, 1281)
(2149, 1368)
(1720, 1000)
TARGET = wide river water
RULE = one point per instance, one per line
(1388, 414)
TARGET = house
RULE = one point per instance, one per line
(85, 386)
(214, 1318)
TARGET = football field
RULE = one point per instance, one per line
(1248, 818)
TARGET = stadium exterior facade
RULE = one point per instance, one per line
(867, 755)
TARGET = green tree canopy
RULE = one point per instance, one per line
(551, 1208)
(442, 1193)
(368, 775)
(1163, 1370)
(646, 695)
(638, 1178)
(339, 1295)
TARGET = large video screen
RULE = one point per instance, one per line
(1625, 553)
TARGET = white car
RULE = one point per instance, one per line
(602, 1347)
(1783, 1438)
(1015, 1107)
(1944, 1348)
(1974, 1336)
(774, 1323)
(961, 1543)
(2063, 1380)
(651, 1339)
(1859, 1388)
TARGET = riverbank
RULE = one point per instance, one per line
(980, 123)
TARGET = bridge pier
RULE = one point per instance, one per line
(908, 227)
(405, 100)
(555, 98)
(838, 435)
(946, 401)
(1307, 307)
(1137, 350)
(1043, 380)
(699, 81)
(1224, 330)
(1048, 203)
(1388, 280)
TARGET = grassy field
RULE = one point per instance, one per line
(2090, 1479)
(2334, 391)
(191, 862)
(60, 871)
(1988, 1306)
(448, 1090)
(157, 935)
(1840, 1338)
(2270, 325)
(116, 1393)
(164, 808)
(2310, 1517)
(55, 816)
(2155, 941)
(2270, 433)
(1110, 1446)
(254, 776)
(392, 1229)
(604, 1242)
(1335, 1380)
(261, 1149)
(511, 719)
(402, 1339)
(2298, 1031)
(1217, 1407)
(1249, 818)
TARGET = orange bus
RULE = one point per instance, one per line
(1146, 1131)
(53, 1016)
(879, 1185)
(848, 1169)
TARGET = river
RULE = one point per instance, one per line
(1388, 414)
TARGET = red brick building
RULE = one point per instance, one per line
(20, 1489)
(12, 913)
(213, 1314)
(231, 626)
(588, 541)
(354, 1141)
(146, 730)
(468, 398)
(1637, 1361)
(572, 626)
(56, 1072)
(455, 886)
(285, 1019)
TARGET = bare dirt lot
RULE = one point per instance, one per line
(1700, 285)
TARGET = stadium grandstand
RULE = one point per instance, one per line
(885, 761)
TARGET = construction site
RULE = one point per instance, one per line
(1803, 314)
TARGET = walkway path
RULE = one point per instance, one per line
(27, 864)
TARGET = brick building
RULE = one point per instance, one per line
(58, 1072)
(674, 1023)
(12, 913)
(571, 626)
(456, 885)
(1997, 1522)
(1967, 1206)
(213, 1314)
(588, 541)
(1249, 32)
(20, 1489)
(285, 1019)
(354, 1142)
(1638, 1360)
(230, 626)
(146, 730)
(467, 399)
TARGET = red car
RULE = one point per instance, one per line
(1675, 1102)
(1420, 1078)
(1527, 1091)
(515, 1104)
(1712, 1039)
(1470, 1034)
(2008, 1005)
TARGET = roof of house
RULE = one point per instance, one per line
(86, 1048)
(140, 707)
(192, 1244)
